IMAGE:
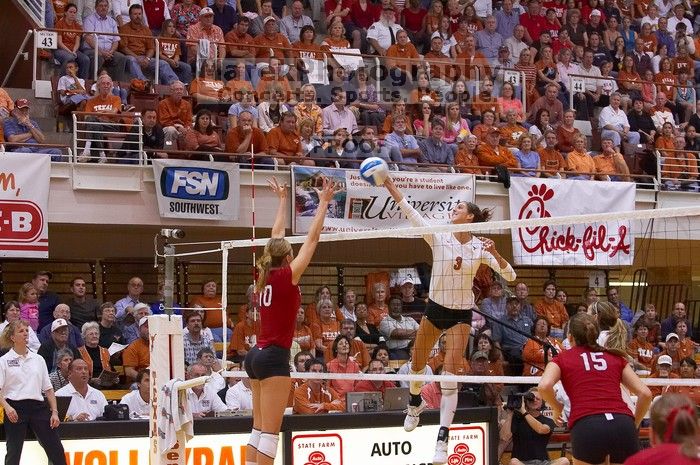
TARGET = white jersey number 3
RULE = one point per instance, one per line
(596, 360)
(266, 296)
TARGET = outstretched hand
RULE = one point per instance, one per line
(279, 190)
(330, 188)
(489, 245)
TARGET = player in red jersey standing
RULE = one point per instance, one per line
(267, 364)
(674, 433)
(603, 428)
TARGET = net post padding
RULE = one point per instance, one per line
(224, 304)
(167, 352)
(467, 379)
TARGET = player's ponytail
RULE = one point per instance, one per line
(584, 329)
(608, 320)
(275, 251)
(674, 420)
(480, 215)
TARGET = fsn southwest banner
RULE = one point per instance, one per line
(196, 190)
(608, 243)
(359, 206)
(24, 199)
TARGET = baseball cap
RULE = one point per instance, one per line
(494, 131)
(21, 103)
(595, 12)
(268, 19)
(480, 354)
(58, 323)
(408, 279)
(143, 320)
(503, 48)
(436, 35)
(665, 360)
(206, 11)
(671, 336)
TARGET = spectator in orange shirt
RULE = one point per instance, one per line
(579, 160)
(238, 40)
(678, 169)
(209, 91)
(205, 29)
(202, 137)
(284, 140)
(175, 114)
(552, 309)
(358, 350)
(326, 329)
(466, 160)
(246, 137)
(139, 51)
(533, 351)
(69, 41)
(137, 355)
(171, 52)
(210, 298)
(492, 154)
(376, 367)
(314, 396)
(641, 350)
(379, 308)
(609, 164)
(244, 336)
(108, 105)
(272, 43)
(302, 332)
(551, 160)
(402, 59)
(342, 362)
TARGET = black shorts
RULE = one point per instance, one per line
(444, 318)
(595, 437)
(268, 362)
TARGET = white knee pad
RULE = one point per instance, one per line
(448, 388)
(268, 444)
(254, 439)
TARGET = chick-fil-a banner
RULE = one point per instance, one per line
(24, 198)
(608, 243)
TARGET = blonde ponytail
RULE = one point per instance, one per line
(275, 251)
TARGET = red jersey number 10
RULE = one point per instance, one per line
(596, 361)
(266, 296)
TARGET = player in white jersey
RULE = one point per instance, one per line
(456, 259)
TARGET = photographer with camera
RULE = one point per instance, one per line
(531, 431)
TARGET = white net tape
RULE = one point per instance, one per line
(491, 227)
(453, 378)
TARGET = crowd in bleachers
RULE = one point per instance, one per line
(446, 75)
(374, 335)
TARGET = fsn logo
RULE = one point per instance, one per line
(317, 458)
(194, 183)
(461, 456)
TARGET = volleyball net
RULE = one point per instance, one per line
(648, 257)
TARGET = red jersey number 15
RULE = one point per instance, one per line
(596, 361)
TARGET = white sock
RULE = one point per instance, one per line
(415, 386)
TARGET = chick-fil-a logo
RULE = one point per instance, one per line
(544, 239)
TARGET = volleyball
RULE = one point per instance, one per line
(374, 170)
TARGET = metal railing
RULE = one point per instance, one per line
(36, 9)
(119, 141)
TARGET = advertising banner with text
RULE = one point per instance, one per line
(195, 190)
(360, 206)
(587, 244)
(390, 446)
(219, 449)
(24, 200)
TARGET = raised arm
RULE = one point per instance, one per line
(413, 216)
(303, 258)
(496, 262)
(281, 217)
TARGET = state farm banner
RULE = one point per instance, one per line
(390, 446)
(588, 244)
(24, 199)
(360, 206)
(197, 190)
